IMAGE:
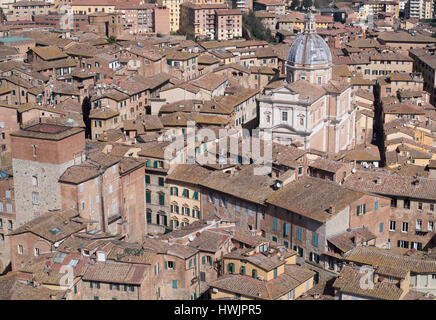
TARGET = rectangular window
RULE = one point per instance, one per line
(299, 234)
(315, 239)
(195, 197)
(418, 224)
(381, 227)
(35, 181)
(35, 198)
(148, 197)
(186, 193)
(284, 116)
(285, 229)
(275, 224)
(174, 282)
(147, 179)
(405, 227)
(148, 217)
(392, 226)
(161, 181)
(430, 226)
(376, 206)
(403, 244)
(161, 199)
(361, 209)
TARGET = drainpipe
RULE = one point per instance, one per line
(103, 218)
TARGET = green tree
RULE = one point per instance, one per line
(295, 4)
(256, 28)
(111, 40)
(307, 4)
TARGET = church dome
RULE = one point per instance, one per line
(309, 48)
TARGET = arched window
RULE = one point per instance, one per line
(231, 268)
(254, 273)
(242, 271)
(186, 210)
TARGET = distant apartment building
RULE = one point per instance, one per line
(92, 6)
(144, 18)
(243, 5)
(25, 10)
(210, 21)
(274, 6)
(174, 13)
(418, 9)
(228, 24)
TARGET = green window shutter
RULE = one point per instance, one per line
(274, 227)
(161, 199)
(148, 197)
(376, 206)
(171, 190)
(147, 163)
(286, 229)
(195, 195)
(243, 270)
(254, 273)
(275, 273)
(358, 210)
(315, 239)
(299, 233)
(155, 164)
(148, 217)
(231, 268)
(174, 284)
(203, 260)
(147, 179)
(381, 227)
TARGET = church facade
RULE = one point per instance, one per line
(309, 108)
